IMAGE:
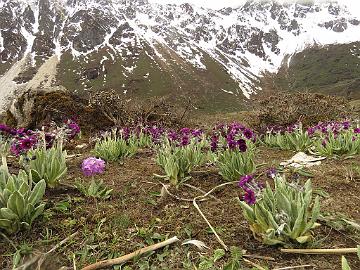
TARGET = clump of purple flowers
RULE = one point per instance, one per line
(251, 187)
(235, 136)
(335, 127)
(25, 139)
(92, 166)
(184, 136)
(72, 128)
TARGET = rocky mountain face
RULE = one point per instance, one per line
(144, 49)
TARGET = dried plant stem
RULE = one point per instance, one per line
(294, 267)
(204, 217)
(203, 192)
(123, 259)
(165, 188)
(61, 243)
(320, 251)
(259, 267)
(211, 227)
(259, 257)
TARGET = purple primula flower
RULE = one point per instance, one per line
(15, 149)
(185, 141)
(20, 132)
(27, 143)
(244, 180)
(4, 128)
(172, 135)
(197, 132)
(92, 166)
(251, 188)
(214, 143)
(232, 144)
(357, 130)
(248, 134)
(242, 145)
(249, 197)
(185, 131)
(125, 133)
(271, 172)
(311, 131)
(346, 125)
(73, 129)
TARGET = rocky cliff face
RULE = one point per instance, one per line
(140, 49)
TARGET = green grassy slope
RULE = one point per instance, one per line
(150, 77)
(333, 69)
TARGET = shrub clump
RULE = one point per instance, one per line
(285, 109)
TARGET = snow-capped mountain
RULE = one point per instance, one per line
(139, 47)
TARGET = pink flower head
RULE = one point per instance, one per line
(92, 166)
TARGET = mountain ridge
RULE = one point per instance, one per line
(142, 48)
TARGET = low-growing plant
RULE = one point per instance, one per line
(234, 163)
(48, 164)
(178, 161)
(112, 148)
(96, 189)
(20, 200)
(335, 145)
(207, 263)
(285, 215)
(294, 138)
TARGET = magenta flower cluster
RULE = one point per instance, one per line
(334, 128)
(322, 129)
(223, 136)
(251, 187)
(277, 129)
(92, 166)
(25, 139)
(235, 136)
(155, 132)
(72, 128)
(180, 137)
(327, 127)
